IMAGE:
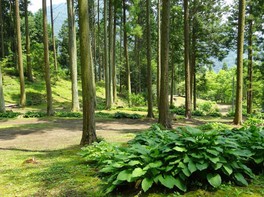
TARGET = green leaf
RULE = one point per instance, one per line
(214, 159)
(179, 149)
(124, 175)
(138, 172)
(202, 166)
(213, 152)
(191, 166)
(146, 184)
(179, 183)
(156, 164)
(228, 169)
(186, 171)
(168, 181)
(217, 166)
(214, 179)
(240, 178)
(133, 163)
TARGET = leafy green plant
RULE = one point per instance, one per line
(178, 110)
(34, 114)
(213, 126)
(253, 121)
(215, 114)
(120, 115)
(9, 114)
(177, 158)
(137, 99)
(197, 113)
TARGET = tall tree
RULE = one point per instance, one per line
(240, 47)
(164, 118)
(29, 66)
(22, 101)
(111, 54)
(250, 64)
(187, 61)
(46, 59)
(106, 60)
(73, 55)
(158, 53)
(2, 100)
(149, 69)
(126, 54)
(114, 54)
(53, 38)
(88, 83)
(99, 42)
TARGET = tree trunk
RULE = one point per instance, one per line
(158, 54)
(164, 117)
(29, 66)
(53, 38)
(2, 31)
(22, 102)
(149, 69)
(46, 60)
(114, 56)
(187, 61)
(98, 42)
(94, 40)
(2, 100)
(110, 84)
(2, 55)
(126, 55)
(73, 55)
(240, 43)
(88, 83)
(250, 66)
(172, 84)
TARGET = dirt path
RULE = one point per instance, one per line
(35, 135)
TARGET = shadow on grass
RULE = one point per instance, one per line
(56, 173)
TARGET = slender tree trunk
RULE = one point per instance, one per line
(114, 56)
(110, 84)
(240, 43)
(46, 60)
(53, 38)
(22, 102)
(106, 59)
(187, 61)
(159, 53)
(29, 66)
(2, 100)
(94, 41)
(73, 55)
(2, 31)
(88, 83)
(149, 70)
(98, 41)
(121, 55)
(172, 85)
(250, 66)
(164, 117)
(126, 55)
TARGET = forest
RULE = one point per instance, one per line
(132, 98)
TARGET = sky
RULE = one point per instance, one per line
(37, 4)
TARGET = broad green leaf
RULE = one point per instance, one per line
(213, 152)
(155, 164)
(179, 149)
(146, 184)
(228, 169)
(214, 179)
(179, 184)
(240, 178)
(138, 172)
(124, 175)
(191, 166)
(198, 156)
(217, 166)
(168, 181)
(186, 171)
(133, 163)
(118, 164)
(202, 166)
(214, 159)
(259, 160)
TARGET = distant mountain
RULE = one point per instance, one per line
(59, 16)
(230, 60)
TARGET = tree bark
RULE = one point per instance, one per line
(172, 85)
(164, 117)
(46, 60)
(110, 64)
(114, 56)
(2, 55)
(22, 102)
(99, 42)
(2, 31)
(158, 53)
(126, 55)
(149, 69)
(250, 66)
(29, 66)
(88, 83)
(73, 55)
(240, 46)
(53, 38)
(187, 61)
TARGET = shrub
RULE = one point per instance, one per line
(253, 121)
(215, 114)
(120, 115)
(178, 110)
(69, 114)
(197, 113)
(137, 100)
(34, 114)
(183, 158)
(9, 114)
(213, 126)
